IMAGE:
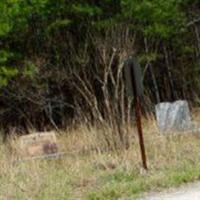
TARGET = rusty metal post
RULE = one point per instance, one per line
(137, 97)
(140, 132)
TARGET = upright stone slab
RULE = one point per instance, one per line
(173, 116)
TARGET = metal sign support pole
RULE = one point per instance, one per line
(140, 132)
(138, 116)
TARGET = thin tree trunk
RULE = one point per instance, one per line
(197, 38)
(169, 74)
(152, 74)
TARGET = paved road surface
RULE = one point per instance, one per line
(187, 192)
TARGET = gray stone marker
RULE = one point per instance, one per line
(173, 116)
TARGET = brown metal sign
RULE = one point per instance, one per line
(132, 68)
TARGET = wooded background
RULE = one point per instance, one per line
(61, 61)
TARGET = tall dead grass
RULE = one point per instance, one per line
(88, 160)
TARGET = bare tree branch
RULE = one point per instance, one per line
(194, 21)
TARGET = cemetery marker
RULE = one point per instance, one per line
(38, 144)
(133, 77)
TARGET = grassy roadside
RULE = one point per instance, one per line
(92, 175)
(121, 185)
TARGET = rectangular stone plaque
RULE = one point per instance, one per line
(39, 144)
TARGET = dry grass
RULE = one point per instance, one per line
(92, 172)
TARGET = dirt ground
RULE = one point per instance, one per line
(187, 192)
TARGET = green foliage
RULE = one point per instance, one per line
(49, 38)
(59, 24)
(147, 58)
(157, 18)
(85, 9)
(30, 70)
(4, 56)
(4, 19)
(6, 73)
